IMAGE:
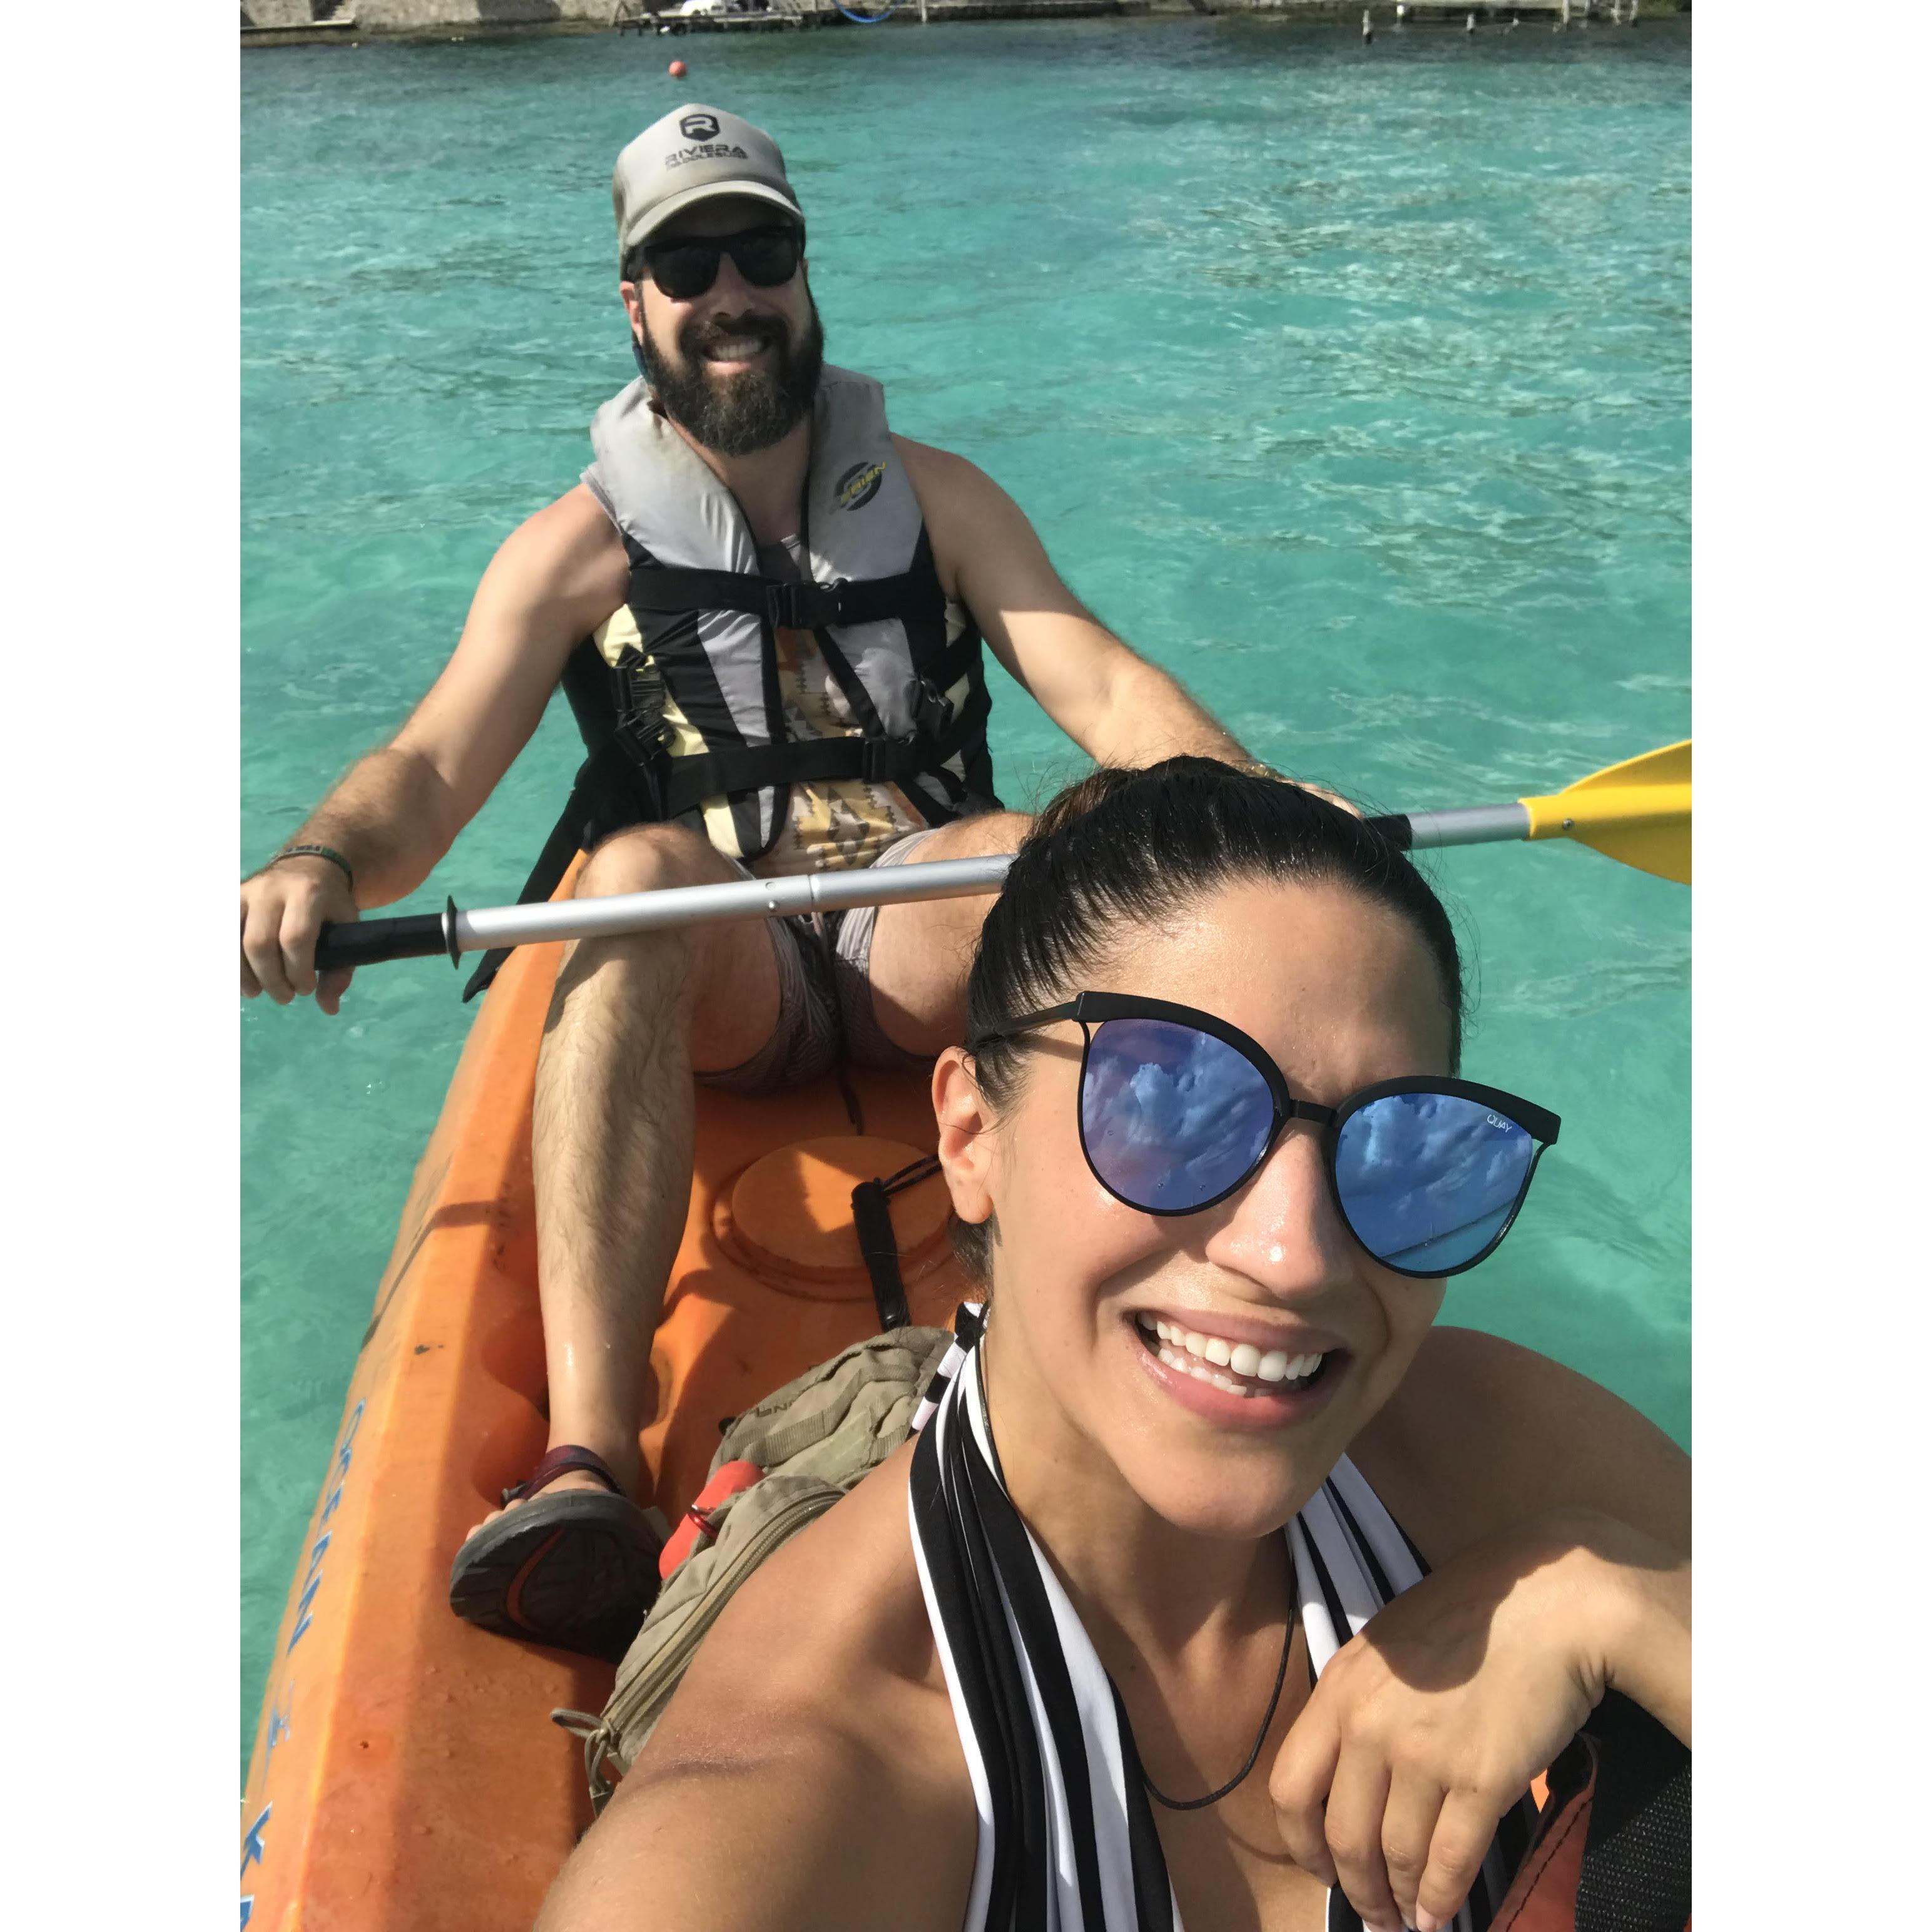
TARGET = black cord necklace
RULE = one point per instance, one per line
(1153, 1790)
(1215, 1797)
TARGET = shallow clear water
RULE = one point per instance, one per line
(1352, 386)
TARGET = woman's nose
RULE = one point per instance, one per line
(1282, 1230)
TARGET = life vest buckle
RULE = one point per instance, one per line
(782, 606)
(933, 715)
(803, 607)
(885, 761)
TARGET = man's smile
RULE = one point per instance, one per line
(736, 352)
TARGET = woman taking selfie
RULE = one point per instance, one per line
(1220, 1577)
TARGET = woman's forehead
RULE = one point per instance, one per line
(1332, 983)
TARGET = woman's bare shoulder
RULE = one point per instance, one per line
(811, 1741)
(1483, 1433)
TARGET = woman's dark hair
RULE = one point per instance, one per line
(1128, 849)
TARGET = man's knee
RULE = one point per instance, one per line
(973, 838)
(650, 858)
(723, 967)
(1005, 830)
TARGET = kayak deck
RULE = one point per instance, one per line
(405, 1770)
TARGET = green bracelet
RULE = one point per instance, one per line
(328, 852)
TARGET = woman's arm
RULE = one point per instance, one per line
(1433, 1721)
(1483, 1434)
(807, 1776)
(783, 1826)
(1487, 1440)
(1556, 1522)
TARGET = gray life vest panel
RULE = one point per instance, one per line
(677, 696)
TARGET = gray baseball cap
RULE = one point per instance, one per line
(694, 153)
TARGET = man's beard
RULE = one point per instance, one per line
(754, 408)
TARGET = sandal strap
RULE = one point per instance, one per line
(566, 1458)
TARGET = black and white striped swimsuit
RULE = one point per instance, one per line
(1067, 1841)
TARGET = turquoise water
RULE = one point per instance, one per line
(1352, 386)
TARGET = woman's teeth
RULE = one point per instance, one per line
(1204, 1357)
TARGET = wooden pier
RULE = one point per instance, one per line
(639, 17)
(1501, 13)
(285, 22)
(328, 21)
(1488, 13)
(643, 17)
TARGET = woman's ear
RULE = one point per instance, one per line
(965, 1144)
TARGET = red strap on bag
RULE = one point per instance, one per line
(693, 1529)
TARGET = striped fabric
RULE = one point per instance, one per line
(1067, 1841)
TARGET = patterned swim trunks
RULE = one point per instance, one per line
(812, 975)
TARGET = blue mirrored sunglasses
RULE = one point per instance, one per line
(1178, 1109)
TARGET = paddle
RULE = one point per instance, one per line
(1638, 812)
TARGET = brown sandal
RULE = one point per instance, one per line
(576, 1571)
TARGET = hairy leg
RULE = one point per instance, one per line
(922, 952)
(631, 1017)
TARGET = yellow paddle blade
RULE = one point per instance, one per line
(1638, 812)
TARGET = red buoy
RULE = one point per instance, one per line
(677, 70)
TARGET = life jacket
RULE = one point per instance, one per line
(677, 694)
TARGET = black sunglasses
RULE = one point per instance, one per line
(766, 257)
(1178, 1109)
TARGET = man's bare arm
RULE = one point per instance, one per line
(555, 579)
(399, 809)
(1115, 706)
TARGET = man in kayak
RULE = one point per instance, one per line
(767, 612)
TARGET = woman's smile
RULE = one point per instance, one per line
(1217, 1374)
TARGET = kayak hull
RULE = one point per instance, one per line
(405, 1770)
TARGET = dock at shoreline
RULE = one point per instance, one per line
(267, 23)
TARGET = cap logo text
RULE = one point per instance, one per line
(699, 127)
(705, 151)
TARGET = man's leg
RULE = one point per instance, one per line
(631, 1016)
(921, 953)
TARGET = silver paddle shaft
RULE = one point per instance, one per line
(869, 885)
(454, 932)
(749, 898)
(1468, 825)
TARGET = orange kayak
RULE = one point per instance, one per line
(405, 1770)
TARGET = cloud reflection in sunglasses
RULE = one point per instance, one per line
(1172, 1116)
(1430, 1178)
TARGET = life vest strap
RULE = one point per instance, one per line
(735, 768)
(912, 596)
(680, 785)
